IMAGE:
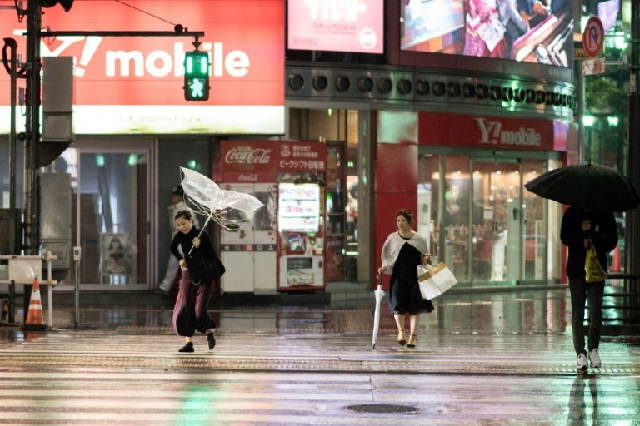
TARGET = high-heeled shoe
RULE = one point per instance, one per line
(401, 339)
(413, 341)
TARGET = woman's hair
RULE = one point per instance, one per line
(407, 215)
(183, 214)
(115, 244)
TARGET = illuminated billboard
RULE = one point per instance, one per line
(518, 30)
(134, 85)
(336, 25)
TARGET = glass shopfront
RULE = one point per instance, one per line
(483, 223)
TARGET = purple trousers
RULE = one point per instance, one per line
(190, 312)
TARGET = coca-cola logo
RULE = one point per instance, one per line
(248, 178)
(248, 155)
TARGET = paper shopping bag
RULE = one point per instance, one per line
(428, 289)
(436, 281)
(444, 279)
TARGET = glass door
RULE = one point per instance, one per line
(113, 214)
(497, 218)
(480, 220)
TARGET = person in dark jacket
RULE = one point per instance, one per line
(190, 312)
(580, 230)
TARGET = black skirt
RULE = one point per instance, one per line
(404, 292)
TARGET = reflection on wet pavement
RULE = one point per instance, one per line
(488, 358)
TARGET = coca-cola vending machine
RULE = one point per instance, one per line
(250, 252)
(281, 247)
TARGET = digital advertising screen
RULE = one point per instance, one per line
(608, 13)
(528, 31)
(355, 26)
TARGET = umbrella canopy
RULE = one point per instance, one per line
(589, 186)
(379, 294)
(207, 198)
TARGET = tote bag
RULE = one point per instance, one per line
(204, 270)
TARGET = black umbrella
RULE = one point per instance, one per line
(588, 186)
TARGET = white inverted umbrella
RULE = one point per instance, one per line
(207, 198)
(379, 294)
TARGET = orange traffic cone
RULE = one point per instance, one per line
(615, 260)
(34, 314)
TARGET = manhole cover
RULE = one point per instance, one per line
(382, 408)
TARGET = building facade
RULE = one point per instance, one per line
(437, 107)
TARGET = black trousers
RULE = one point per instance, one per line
(589, 294)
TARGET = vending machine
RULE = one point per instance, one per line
(250, 251)
(301, 241)
(280, 248)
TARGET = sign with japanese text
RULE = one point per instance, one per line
(593, 66)
(336, 25)
(127, 85)
(264, 156)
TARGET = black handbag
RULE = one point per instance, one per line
(204, 270)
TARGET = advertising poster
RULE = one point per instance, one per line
(115, 254)
(336, 25)
(537, 31)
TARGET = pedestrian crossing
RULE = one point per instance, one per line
(125, 378)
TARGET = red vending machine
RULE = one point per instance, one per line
(281, 247)
(301, 226)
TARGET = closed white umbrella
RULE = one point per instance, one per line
(379, 294)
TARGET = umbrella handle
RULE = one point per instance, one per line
(201, 230)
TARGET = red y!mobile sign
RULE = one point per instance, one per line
(134, 84)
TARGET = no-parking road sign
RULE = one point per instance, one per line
(593, 37)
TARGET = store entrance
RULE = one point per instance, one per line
(497, 219)
(483, 224)
(111, 213)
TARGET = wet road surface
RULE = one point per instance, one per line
(480, 359)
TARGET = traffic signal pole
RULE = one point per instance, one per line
(632, 242)
(32, 218)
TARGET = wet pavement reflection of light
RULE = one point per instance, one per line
(487, 358)
(492, 312)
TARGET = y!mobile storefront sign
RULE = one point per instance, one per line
(134, 84)
(489, 132)
(336, 25)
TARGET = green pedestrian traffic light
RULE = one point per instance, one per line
(196, 76)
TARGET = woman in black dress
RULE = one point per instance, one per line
(402, 252)
(190, 312)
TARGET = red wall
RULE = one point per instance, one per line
(396, 179)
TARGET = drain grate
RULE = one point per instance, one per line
(382, 408)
